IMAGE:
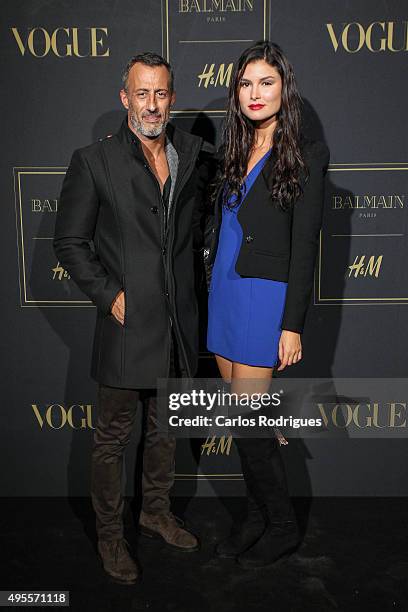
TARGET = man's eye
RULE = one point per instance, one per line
(141, 94)
(162, 94)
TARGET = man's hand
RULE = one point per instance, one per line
(118, 307)
(290, 348)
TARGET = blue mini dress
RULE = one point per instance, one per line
(244, 314)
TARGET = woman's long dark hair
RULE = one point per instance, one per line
(239, 132)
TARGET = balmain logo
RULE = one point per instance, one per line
(211, 76)
(63, 42)
(46, 206)
(340, 202)
(57, 416)
(215, 6)
(361, 268)
(377, 36)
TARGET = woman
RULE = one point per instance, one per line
(267, 219)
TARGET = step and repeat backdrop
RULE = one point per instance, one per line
(62, 64)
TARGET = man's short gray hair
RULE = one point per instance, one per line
(148, 59)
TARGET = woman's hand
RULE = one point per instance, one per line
(290, 348)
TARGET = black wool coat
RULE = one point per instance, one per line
(110, 235)
(279, 244)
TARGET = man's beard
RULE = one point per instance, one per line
(148, 132)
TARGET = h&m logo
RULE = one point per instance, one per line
(63, 42)
(57, 416)
(60, 273)
(360, 268)
(377, 36)
(212, 447)
(211, 76)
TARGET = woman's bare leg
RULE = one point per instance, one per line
(252, 379)
(240, 375)
(225, 368)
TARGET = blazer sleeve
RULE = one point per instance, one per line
(74, 232)
(306, 224)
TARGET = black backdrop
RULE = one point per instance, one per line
(62, 62)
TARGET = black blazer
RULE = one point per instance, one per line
(277, 244)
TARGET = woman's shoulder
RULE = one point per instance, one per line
(315, 152)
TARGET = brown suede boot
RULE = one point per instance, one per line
(167, 527)
(117, 561)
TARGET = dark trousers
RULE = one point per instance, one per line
(116, 415)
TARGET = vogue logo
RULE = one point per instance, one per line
(63, 42)
(391, 414)
(56, 416)
(377, 36)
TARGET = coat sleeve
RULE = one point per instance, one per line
(205, 167)
(306, 224)
(74, 233)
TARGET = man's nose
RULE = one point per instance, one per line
(151, 102)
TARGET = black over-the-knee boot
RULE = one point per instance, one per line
(246, 534)
(268, 480)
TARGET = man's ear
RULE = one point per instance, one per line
(173, 99)
(124, 98)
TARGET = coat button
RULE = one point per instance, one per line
(213, 230)
(154, 210)
(249, 238)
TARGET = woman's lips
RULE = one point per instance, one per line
(256, 106)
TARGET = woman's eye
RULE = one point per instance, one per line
(244, 84)
(267, 83)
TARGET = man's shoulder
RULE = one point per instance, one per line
(184, 142)
(93, 151)
(190, 140)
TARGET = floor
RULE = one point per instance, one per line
(354, 556)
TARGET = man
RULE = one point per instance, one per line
(124, 231)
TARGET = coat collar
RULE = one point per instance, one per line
(185, 144)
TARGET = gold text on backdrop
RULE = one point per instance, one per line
(377, 36)
(63, 42)
(57, 416)
(362, 268)
(215, 6)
